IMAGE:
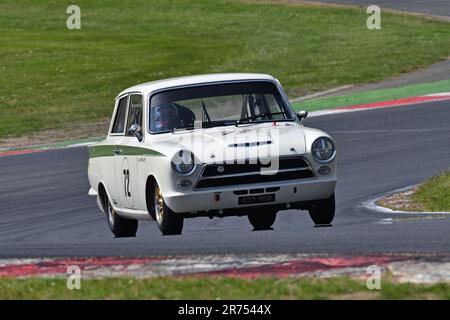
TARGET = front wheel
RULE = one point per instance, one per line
(169, 222)
(120, 227)
(322, 211)
(262, 220)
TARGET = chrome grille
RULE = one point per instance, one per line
(229, 174)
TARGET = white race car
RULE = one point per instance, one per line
(210, 145)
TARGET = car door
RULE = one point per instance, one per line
(115, 134)
(130, 158)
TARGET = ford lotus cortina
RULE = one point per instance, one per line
(210, 145)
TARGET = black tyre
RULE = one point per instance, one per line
(322, 211)
(120, 227)
(261, 219)
(169, 222)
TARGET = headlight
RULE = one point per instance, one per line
(183, 162)
(323, 149)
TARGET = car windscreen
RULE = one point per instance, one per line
(217, 105)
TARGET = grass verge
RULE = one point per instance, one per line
(53, 77)
(431, 196)
(216, 288)
(434, 194)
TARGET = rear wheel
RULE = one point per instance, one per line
(169, 222)
(120, 227)
(262, 219)
(322, 211)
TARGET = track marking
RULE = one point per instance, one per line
(408, 219)
(383, 104)
(19, 152)
(391, 131)
(245, 266)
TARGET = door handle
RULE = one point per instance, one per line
(117, 151)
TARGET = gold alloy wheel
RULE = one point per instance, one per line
(159, 204)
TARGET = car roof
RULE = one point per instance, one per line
(148, 87)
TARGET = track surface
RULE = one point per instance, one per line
(45, 210)
(433, 7)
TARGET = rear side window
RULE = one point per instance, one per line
(134, 111)
(119, 121)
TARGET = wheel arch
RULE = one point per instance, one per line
(103, 196)
(149, 190)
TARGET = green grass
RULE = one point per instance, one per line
(434, 194)
(52, 77)
(374, 96)
(216, 288)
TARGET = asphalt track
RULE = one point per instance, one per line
(432, 7)
(45, 210)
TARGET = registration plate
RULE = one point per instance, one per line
(262, 198)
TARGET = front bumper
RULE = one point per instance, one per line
(289, 192)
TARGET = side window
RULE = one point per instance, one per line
(134, 111)
(119, 121)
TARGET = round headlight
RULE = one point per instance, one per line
(183, 162)
(323, 149)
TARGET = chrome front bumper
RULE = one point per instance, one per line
(225, 198)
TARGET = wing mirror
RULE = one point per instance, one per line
(301, 115)
(136, 130)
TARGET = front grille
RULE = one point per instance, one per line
(237, 168)
(220, 175)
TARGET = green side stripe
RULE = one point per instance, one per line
(108, 151)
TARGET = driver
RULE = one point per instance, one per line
(166, 117)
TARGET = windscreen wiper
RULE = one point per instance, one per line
(243, 120)
(181, 128)
(205, 111)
